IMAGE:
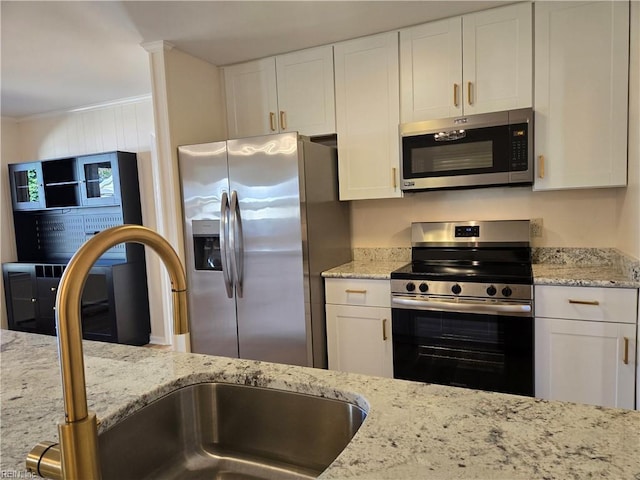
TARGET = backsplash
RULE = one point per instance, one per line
(396, 254)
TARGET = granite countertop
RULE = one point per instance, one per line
(543, 273)
(412, 430)
(368, 269)
(581, 276)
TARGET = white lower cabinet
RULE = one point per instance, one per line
(359, 326)
(585, 345)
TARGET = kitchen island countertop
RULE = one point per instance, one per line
(412, 430)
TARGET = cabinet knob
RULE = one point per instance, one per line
(53, 289)
(33, 300)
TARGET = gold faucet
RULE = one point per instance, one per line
(76, 456)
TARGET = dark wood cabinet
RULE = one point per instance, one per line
(113, 307)
(58, 205)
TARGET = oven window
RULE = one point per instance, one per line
(486, 352)
(448, 158)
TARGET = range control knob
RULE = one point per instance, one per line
(423, 287)
(491, 291)
(506, 291)
(411, 287)
(456, 289)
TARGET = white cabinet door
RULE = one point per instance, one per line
(367, 117)
(586, 362)
(251, 98)
(581, 84)
(431, 70)
(478, 63)
(359, 339)
(497, 59)
(287, 93)
(305, 91)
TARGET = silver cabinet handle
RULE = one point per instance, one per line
(236, 243)
(224, 238)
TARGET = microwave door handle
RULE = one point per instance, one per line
(237, 244)
(476, 307)
(224, 244)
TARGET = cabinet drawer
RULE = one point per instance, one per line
(372, 293)
(587, 303)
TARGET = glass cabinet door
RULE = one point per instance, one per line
(98, 174)
(27, 191)
(21, 296)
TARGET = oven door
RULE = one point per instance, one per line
(484, 351)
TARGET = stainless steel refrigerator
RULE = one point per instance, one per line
(262, 220)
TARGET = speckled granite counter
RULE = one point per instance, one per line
(587, 267)
(412, 431)
(587, 276)
(364, 269)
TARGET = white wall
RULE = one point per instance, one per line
(126, 125)
(187, 106)
(629, 225)
(10, 152)
(575, 218)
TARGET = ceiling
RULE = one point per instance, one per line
(64, 55)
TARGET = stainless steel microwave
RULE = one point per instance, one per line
(464, 152)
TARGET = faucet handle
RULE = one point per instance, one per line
(45, 461)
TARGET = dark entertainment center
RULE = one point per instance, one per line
(57, 205)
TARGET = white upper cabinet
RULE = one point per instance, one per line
(306, 99)
(581, 88)
(367, 116)
(251, 96)
(477, 63)
(292, 92)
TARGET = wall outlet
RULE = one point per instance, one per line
(535, 227)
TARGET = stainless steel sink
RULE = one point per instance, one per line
(229, 432)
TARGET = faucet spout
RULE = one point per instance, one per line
(77, 456)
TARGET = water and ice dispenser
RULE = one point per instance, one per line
(206, 244)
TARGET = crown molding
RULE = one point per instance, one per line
(86, 108)
(157, 46)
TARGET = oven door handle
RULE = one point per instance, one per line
(473, 307)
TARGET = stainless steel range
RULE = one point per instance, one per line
(462, 309)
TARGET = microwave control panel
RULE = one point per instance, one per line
(519, 147)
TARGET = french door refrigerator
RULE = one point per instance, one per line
(262, 220)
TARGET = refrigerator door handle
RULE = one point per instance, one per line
(224, 238)
(236, 243)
